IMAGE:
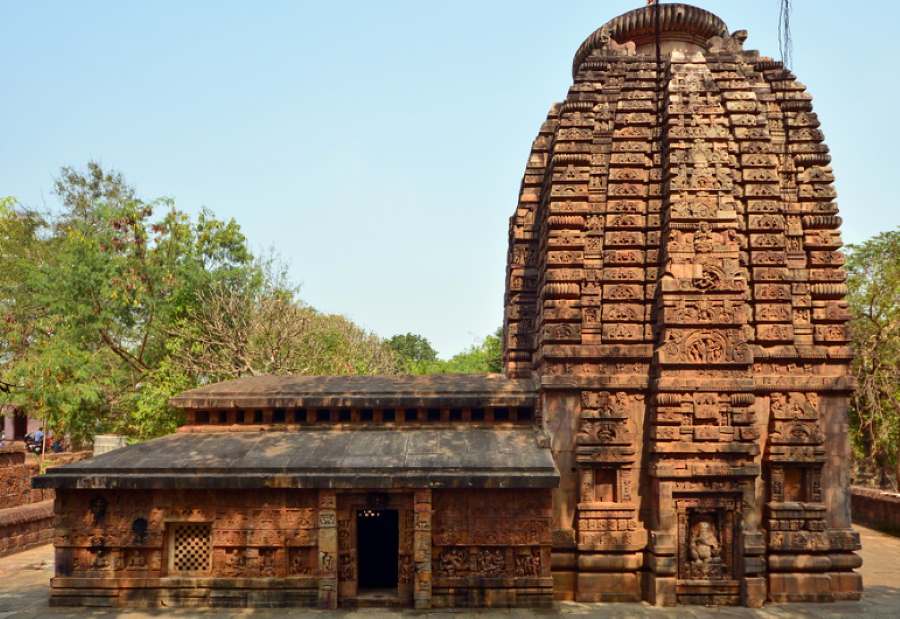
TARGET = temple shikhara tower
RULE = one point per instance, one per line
(675, 291)
(671, 425)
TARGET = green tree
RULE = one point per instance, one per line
(108, 310)
(90, 290)
(874, 285)
(415, 352)
(483, 357)
(419, 357)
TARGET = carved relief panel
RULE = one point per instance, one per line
(707, 529)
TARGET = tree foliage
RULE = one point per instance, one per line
(485, 356)
(418, 357)
(415, 352)
(874, 285)
(112, 304)
(108, 309)
(262, 329)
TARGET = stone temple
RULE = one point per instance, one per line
(671, 426)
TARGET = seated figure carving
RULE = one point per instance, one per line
(705, 551)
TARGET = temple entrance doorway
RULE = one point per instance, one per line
(377, 543)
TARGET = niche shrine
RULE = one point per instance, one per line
(671, 425)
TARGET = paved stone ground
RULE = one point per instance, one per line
(24, 578)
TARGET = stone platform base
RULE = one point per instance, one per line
(828, 587)
(184, 592)
(259, 593)
(609, 587)
(488, 597)
(668, 591)
(564, 564)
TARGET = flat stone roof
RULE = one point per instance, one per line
(370, 458)
(448, 390)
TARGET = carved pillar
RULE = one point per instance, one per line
(422, 549)
(328, 549)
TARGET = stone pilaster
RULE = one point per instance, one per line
(422, 549)
(328, 549)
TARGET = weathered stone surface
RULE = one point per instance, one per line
(284, 547)
(704, 344)
(458, 457)
(448, 390)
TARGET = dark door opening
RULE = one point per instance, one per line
(20, 426)
(377, 542)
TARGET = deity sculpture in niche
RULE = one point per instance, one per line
(326, 563)
(705, 549)
(346, 564)
(705, 540)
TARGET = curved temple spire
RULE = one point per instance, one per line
(674, 286)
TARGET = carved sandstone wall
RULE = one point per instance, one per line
(491, 548)
(123, 543)
(296, 547)
(674, 284)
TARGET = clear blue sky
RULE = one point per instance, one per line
(378, 146)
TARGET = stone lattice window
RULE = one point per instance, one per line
(191, 547)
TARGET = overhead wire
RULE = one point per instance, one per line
(785, 42)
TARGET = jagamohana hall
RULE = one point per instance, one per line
(670, 425)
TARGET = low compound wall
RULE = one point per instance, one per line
(876, 509)
(26, 513)
(26, 526)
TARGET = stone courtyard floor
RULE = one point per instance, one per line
(24, 578)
